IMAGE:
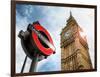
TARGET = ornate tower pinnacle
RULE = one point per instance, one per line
(70, 14)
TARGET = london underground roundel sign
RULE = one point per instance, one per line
(42, 39)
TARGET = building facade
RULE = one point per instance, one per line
(74, 47)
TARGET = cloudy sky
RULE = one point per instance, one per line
(53, 19)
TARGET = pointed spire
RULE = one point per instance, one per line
(70, 13)
(70, 17)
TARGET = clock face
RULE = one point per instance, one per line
(67, 33)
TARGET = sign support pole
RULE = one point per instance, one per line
(34, 63)
(24, 64)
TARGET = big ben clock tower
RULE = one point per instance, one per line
(74, 47)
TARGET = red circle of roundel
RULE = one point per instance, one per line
(44, 50)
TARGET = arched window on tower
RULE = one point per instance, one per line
(80, 67)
